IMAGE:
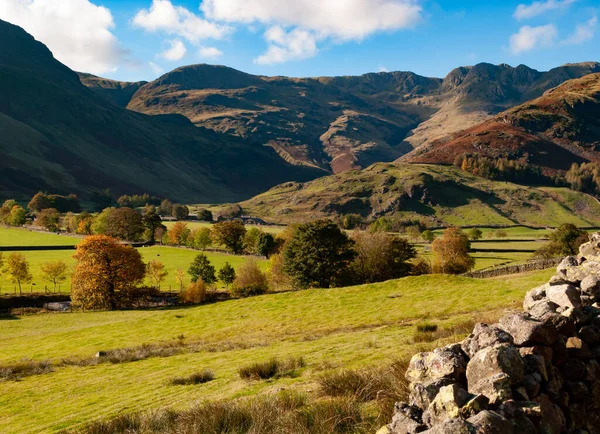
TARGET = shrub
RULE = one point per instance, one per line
(195, 293)
(420, 266)
(284, 412)
(197, 378)
(49, 219)
(451, 253)
(250, 280)
(24, 368)
(564, 241)
(272, 368)
(475, 234)
(380, 256)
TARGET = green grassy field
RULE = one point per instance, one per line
(26, 237)
(351, 327)
(173, 258)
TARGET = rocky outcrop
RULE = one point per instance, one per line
(536, 371)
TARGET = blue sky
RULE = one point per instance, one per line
(140, 39)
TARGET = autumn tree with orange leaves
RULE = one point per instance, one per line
(451, 253)
(107, 275)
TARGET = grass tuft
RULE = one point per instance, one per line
(197, 378)
(272, 368)
(283, 413)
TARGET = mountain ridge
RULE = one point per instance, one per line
(60, 136)
(345, 122)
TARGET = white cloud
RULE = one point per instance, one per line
(382, 69)
(529, 38)
(176, 20)
(156, 69)
(210, 52)
(343, 19)
(536, 8)
(285, 46)
(76, 31)
(175, 51)
(583, 32)
(295, 27)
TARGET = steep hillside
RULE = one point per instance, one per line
(117, 92)
(443, 195)
(552, 131)
(58, 135)
(343, 123)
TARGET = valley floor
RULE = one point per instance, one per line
(366, 325)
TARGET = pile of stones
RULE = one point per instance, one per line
(536, 371)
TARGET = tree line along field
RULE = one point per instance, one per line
(517, 249)
(353, 327)
(173, 258)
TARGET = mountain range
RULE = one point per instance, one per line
(343, 123)
(206, 133)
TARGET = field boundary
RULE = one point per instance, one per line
(541, 264)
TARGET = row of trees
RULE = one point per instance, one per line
(231, 235)
(110, 275)
(501, 169)
(41, 201)
(584, 177)
(16, 267)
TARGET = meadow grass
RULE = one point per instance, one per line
(26, 237)
(350, 328)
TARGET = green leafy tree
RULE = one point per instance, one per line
(152, 222)
(318, 254)
(17, 216)
(251, 240)
(475, 234)
(227, 274)
(165, 208)
(201, 268)
(180, 212)
(5, 210)
(202, 238)
(205, 215)
(564, 241)
(266, 245)
(54, 272)
(230, 235)
(17, 269)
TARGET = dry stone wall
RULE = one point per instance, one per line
(536, 371)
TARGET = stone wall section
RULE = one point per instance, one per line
(536, 371)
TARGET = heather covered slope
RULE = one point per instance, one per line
(553, 131)
(343, 123)
(58, 135)
(443, 195)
